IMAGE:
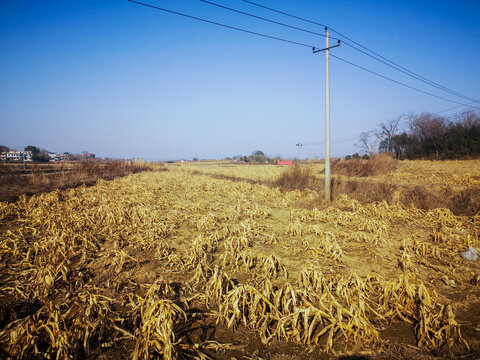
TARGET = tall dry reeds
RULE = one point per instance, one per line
(37, 178)
(376, 165)
(297, 177)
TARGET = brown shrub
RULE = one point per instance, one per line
(109, 169)
(363, 191)
(297, 177)
(14, 181)
(380, 164)
(467, 202)
(421, 198)
(376, 165)
(348, 167)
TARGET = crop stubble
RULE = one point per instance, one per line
(143, 266)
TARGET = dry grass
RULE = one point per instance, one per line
(298, 177)
(467, 202)
(376, 165)
(171, 265)
(371, 180)
(38, 178)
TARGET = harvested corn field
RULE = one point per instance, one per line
(180, 264)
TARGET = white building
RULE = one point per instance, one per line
(15, 155)
(12, 155)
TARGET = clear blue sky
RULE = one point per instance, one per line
(122, 80)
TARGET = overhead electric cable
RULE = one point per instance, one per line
(395, 81)
(355, 137)
(265, 19)
(395, 65)
(458, 113)
(405, 122)
(411, 74)
(284, 13)
(338, 140)
(450, 116)
(402, 69)
(223, 25)
(282, 39)
(455, 107)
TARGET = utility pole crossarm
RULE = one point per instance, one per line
(315, 50)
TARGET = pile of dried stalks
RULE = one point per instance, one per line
(70, 288)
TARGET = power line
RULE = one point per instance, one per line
(280, 39)
(447, 117)
(338, 140)
(402, 69)
(395, 81)
(345, 140)
(407, 72)
(355, 137)
(223, 25)
(456, 114)
(284, 13)
(395, 65)
(264, 19)
(455, 107)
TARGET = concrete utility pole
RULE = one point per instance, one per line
(328, 195)
(298, 150)
(327, 117)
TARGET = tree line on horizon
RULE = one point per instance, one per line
(256, 157)
(427, 136)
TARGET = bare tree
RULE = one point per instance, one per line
(428, 136)
(388, 131)
(368, 142)
(429, 129)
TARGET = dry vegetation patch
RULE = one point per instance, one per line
(298, 177)
(36, 178)
(378, 164)
(384, 178)
(171, 265)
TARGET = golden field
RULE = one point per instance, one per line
(456, 173)
(211, 260)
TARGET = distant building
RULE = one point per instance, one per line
(12, 155)
(55, 156)
(16, 155)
